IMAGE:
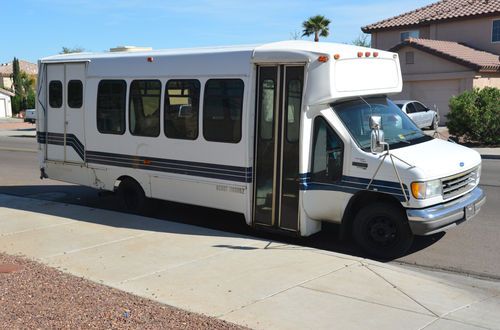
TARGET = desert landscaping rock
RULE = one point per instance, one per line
(34, 296)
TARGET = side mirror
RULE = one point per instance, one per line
(377, 135)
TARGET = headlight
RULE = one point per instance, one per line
(422, 190)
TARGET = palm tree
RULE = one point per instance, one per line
(318, 25)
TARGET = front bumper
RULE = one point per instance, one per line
(441, 217)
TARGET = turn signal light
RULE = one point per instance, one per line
(336, 56)
(150, 59)
(323, 58)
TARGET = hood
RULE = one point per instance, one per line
(438, 158)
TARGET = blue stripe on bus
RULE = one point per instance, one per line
(207, 170)
(352, 185)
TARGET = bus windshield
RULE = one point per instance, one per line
(398, 128)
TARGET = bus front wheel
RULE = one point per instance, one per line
(382, 231)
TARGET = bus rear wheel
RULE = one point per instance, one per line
(382, 231)
(132, 195)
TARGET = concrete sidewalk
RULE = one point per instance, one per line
(244, 280)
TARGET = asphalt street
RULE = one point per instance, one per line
(470, 248)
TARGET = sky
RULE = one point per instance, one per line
(33, 29)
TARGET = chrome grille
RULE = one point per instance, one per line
(460, 183)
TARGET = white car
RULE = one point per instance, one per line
(419, 113)
(30, 116)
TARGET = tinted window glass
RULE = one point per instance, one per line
(267, 112)
(410, 108)
(223, 101)
(75, 94)
(294, 97)
(55, 94)
(328, 151)
(419, 107)
(182, 99)
(144, 107)
(409, 34)
(495, 35)
(111, 98)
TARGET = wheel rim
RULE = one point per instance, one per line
(382, 231)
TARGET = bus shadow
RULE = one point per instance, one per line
(164, 216)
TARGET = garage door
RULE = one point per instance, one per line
(432, 92)
(3, 108)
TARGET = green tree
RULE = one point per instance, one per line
(317, 25)
(67, 50)
(362, 40)
(24, 88)
(16, 75)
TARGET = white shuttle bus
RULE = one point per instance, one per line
(290, 134)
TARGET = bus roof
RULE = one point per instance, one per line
(294, 49)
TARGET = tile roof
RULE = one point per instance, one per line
(28, 67)
(473, 58)
(6, 92)
(441, 10)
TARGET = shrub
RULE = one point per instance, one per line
(475, 116)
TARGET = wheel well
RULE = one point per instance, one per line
(357, 202)
(120, 179)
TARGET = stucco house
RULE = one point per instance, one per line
(5, 104)
(444, 49)
(6, 71)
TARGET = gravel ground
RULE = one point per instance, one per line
(34, 296)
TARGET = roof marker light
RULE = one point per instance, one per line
(150, 59)
(336, 56)
(323, 58)
(360, 54)
(375, 54)
(367, 54)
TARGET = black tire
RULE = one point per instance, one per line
(132, 196)
(382, 231)
(434, 126)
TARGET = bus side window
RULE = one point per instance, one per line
(110, 112)
(328, 153)
(182, 102)
(222, 110)
(144, 108)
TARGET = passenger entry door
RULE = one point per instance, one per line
(65, 129)
(276, 184)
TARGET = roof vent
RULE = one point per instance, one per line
(130, 49)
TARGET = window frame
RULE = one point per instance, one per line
(242, 103)
(129, 102)
(410, 105)
(493, 21)
(410, 57)
(68, 92)
(328, 126)
(417, 105)
(124, 84)
(60, 104)
(409, 34)
(167, 100)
